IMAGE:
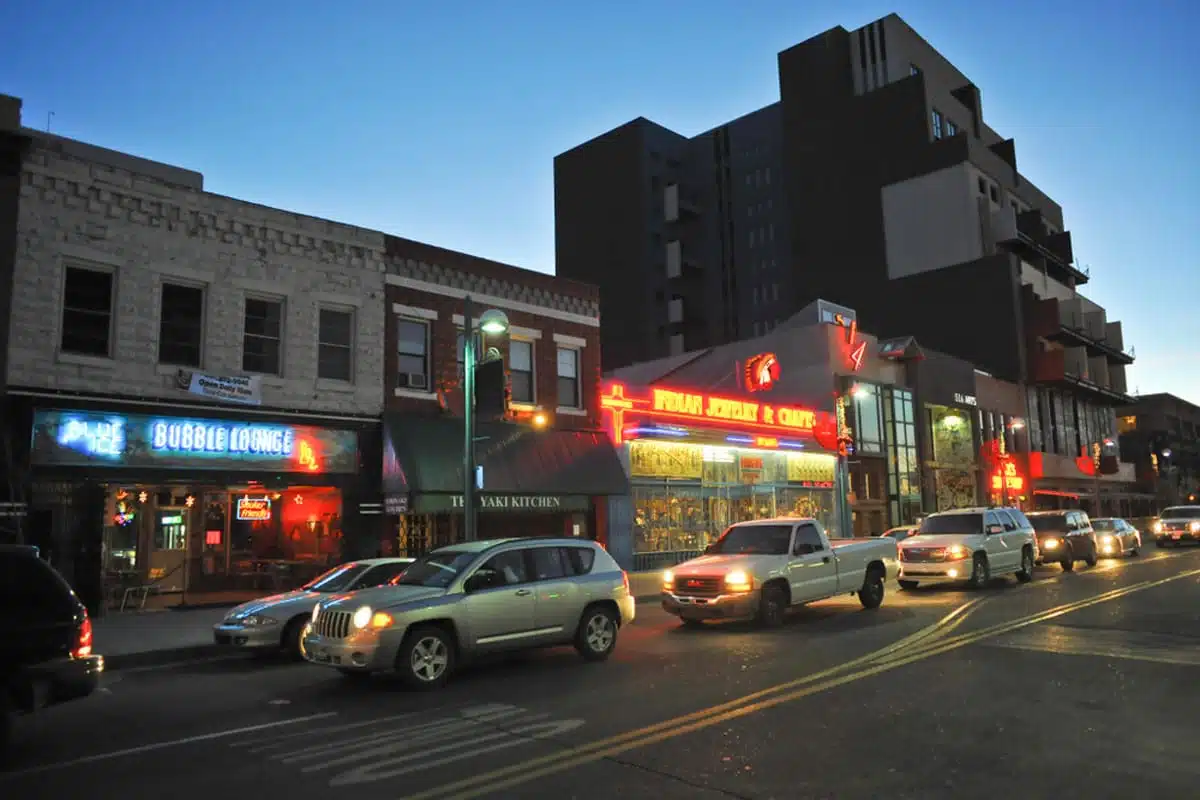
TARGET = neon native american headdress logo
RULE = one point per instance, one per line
(762, 371)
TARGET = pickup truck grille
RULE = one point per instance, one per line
(694, 586)
(1177, 525)
(922, 555)
(333, 624)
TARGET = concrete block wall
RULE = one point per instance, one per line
(150, 230)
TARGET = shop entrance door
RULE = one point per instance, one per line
(168, 554)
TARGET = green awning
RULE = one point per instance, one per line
(424, 455)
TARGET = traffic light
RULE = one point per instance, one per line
(491, 389)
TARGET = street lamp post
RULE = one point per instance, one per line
(493, 322)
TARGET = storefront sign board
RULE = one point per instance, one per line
(517, 503)
(94, 438)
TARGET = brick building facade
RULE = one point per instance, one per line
(194, 386)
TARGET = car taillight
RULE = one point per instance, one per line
(83, 639)
(625, 579)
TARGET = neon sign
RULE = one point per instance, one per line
(762, 371)
(85, 438)
(857, 351)
(1007, 479)
(254, 509)
(714, 411)
(104, 437)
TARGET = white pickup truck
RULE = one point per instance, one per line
(761, 569)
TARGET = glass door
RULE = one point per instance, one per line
(168, 552)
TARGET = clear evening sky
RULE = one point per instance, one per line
(439, 120)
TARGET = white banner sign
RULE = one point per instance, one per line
(244, 389)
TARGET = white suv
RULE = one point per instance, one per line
(969, 544)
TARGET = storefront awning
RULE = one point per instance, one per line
(424, 455)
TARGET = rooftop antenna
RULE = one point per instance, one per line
(49, 116)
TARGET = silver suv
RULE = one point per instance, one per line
(472, 599)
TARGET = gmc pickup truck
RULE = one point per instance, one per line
(761, 569)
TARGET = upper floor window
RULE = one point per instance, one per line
(412, 354)
(568, 378)
(181, 325)
(951, 128)
(87, 312)
(913, 69)
(938, 124)
(335, 345)
(520, 370)
(262, 336)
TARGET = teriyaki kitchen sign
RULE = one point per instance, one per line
(90, 438)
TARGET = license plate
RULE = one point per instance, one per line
(321, 655)
(1176, 535)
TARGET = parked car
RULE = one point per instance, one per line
(1065, 536)
(1117, 537)
(761, 569)
(902, 532)
(471, 599)
(277, 622)
(1176, 525)
(45, 639)
(969, 544)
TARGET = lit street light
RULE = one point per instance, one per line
(491, 322)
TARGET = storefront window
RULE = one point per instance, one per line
(904, 483)
(953, 442)
(686, 495)
(868, 428)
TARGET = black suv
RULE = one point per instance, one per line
(1065, 537)
(45, 639)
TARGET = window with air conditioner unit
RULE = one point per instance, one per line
(412, 358)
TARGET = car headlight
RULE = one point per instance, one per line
(956, 552)
(1157, 526)
(1050, 544)
(1106, 539)
(668, 579)
(258, 619)
(362, 617)
(1194, 527)
(738, 581)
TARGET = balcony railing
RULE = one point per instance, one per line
(1069, 367)
(1057, 321)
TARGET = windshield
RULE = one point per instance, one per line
(337, 579)
(1182, 512)
(1048, 523)
(953, 523)
(1104, 524)
(771, 540)
(435, 570)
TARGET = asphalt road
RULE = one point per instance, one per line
(1074, 685)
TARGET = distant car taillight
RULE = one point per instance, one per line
(83, 639)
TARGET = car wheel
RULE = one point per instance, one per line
(1025, 574)
(872, 591)
(596, 637)
(1068, 563)
(1092, 556)
(981, 572)
(426, 658)
(772, 607)
(1136, 551)
(908, 585)
(292, 641)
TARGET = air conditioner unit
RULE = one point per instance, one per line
(413, 380)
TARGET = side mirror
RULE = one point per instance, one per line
(710, 548)
(481, 580)
(995, 529)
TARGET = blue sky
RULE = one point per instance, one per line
(439, 121)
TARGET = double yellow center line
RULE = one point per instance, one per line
(926, 643)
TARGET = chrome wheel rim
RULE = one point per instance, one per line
(979, 570)
(600, 633)
(429, 659)
(1028, 565)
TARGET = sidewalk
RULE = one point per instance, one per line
(160, 636)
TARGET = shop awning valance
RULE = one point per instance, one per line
(424, 455)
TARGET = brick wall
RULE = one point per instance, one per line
(79, 207)
(540, 325)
